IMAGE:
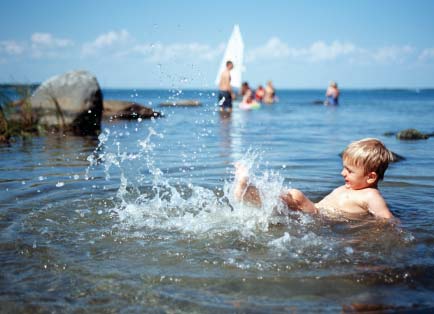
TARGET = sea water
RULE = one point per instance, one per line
(143, 219)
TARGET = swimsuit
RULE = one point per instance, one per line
(332, 101)
(227, 102)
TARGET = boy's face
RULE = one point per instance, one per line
(356, 178)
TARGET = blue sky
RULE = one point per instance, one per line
(179, 44)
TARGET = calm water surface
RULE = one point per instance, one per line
(142, 219)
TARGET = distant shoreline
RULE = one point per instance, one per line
(397, 89)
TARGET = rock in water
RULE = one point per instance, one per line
(395, 157)
(318, 102)
(119, 109)
(411, 134)
(181, 103)
(71, 101)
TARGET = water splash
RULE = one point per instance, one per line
(147, 198)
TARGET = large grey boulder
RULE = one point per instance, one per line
(71, 101)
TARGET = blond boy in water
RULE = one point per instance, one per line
(364, 164)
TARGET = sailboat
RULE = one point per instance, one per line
(234, 52)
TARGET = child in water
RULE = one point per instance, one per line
(364, 164)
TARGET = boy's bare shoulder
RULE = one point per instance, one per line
(370, 196)
(376, 203)
(372, 193)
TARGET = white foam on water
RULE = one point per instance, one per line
(183, 206)
(201, 212)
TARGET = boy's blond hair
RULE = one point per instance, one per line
(369, 153)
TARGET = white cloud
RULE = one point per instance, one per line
(40, 45)
(113, 40)
(426, 54)
(318, 51)
(47, 45)
(11, 47)
(321, 51)
(392, 54)
(40, 40)
(274, 48)
(160, 52)
(122, 44)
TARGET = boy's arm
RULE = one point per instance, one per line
(377, 206)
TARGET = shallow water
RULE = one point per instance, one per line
(142, 219)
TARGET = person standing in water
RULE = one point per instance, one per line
(269, 93)
(332, 94)
(225, 90)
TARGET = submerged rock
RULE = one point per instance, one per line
(181, 103)
(71, 101)
(396, 157)
(389, 133)
(118, 109)
(411, 134)
(318, 102)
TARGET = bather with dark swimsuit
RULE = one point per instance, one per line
(227, 102)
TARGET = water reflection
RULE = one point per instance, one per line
(232, 127)
(70, 144)
(225, 134)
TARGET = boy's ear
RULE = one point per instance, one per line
(372, 177)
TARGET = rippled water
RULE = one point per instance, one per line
(142, 219)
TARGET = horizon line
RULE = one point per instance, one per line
(9, 84)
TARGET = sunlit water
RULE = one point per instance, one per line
(142, 219)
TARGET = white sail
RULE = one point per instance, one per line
(234, 52)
